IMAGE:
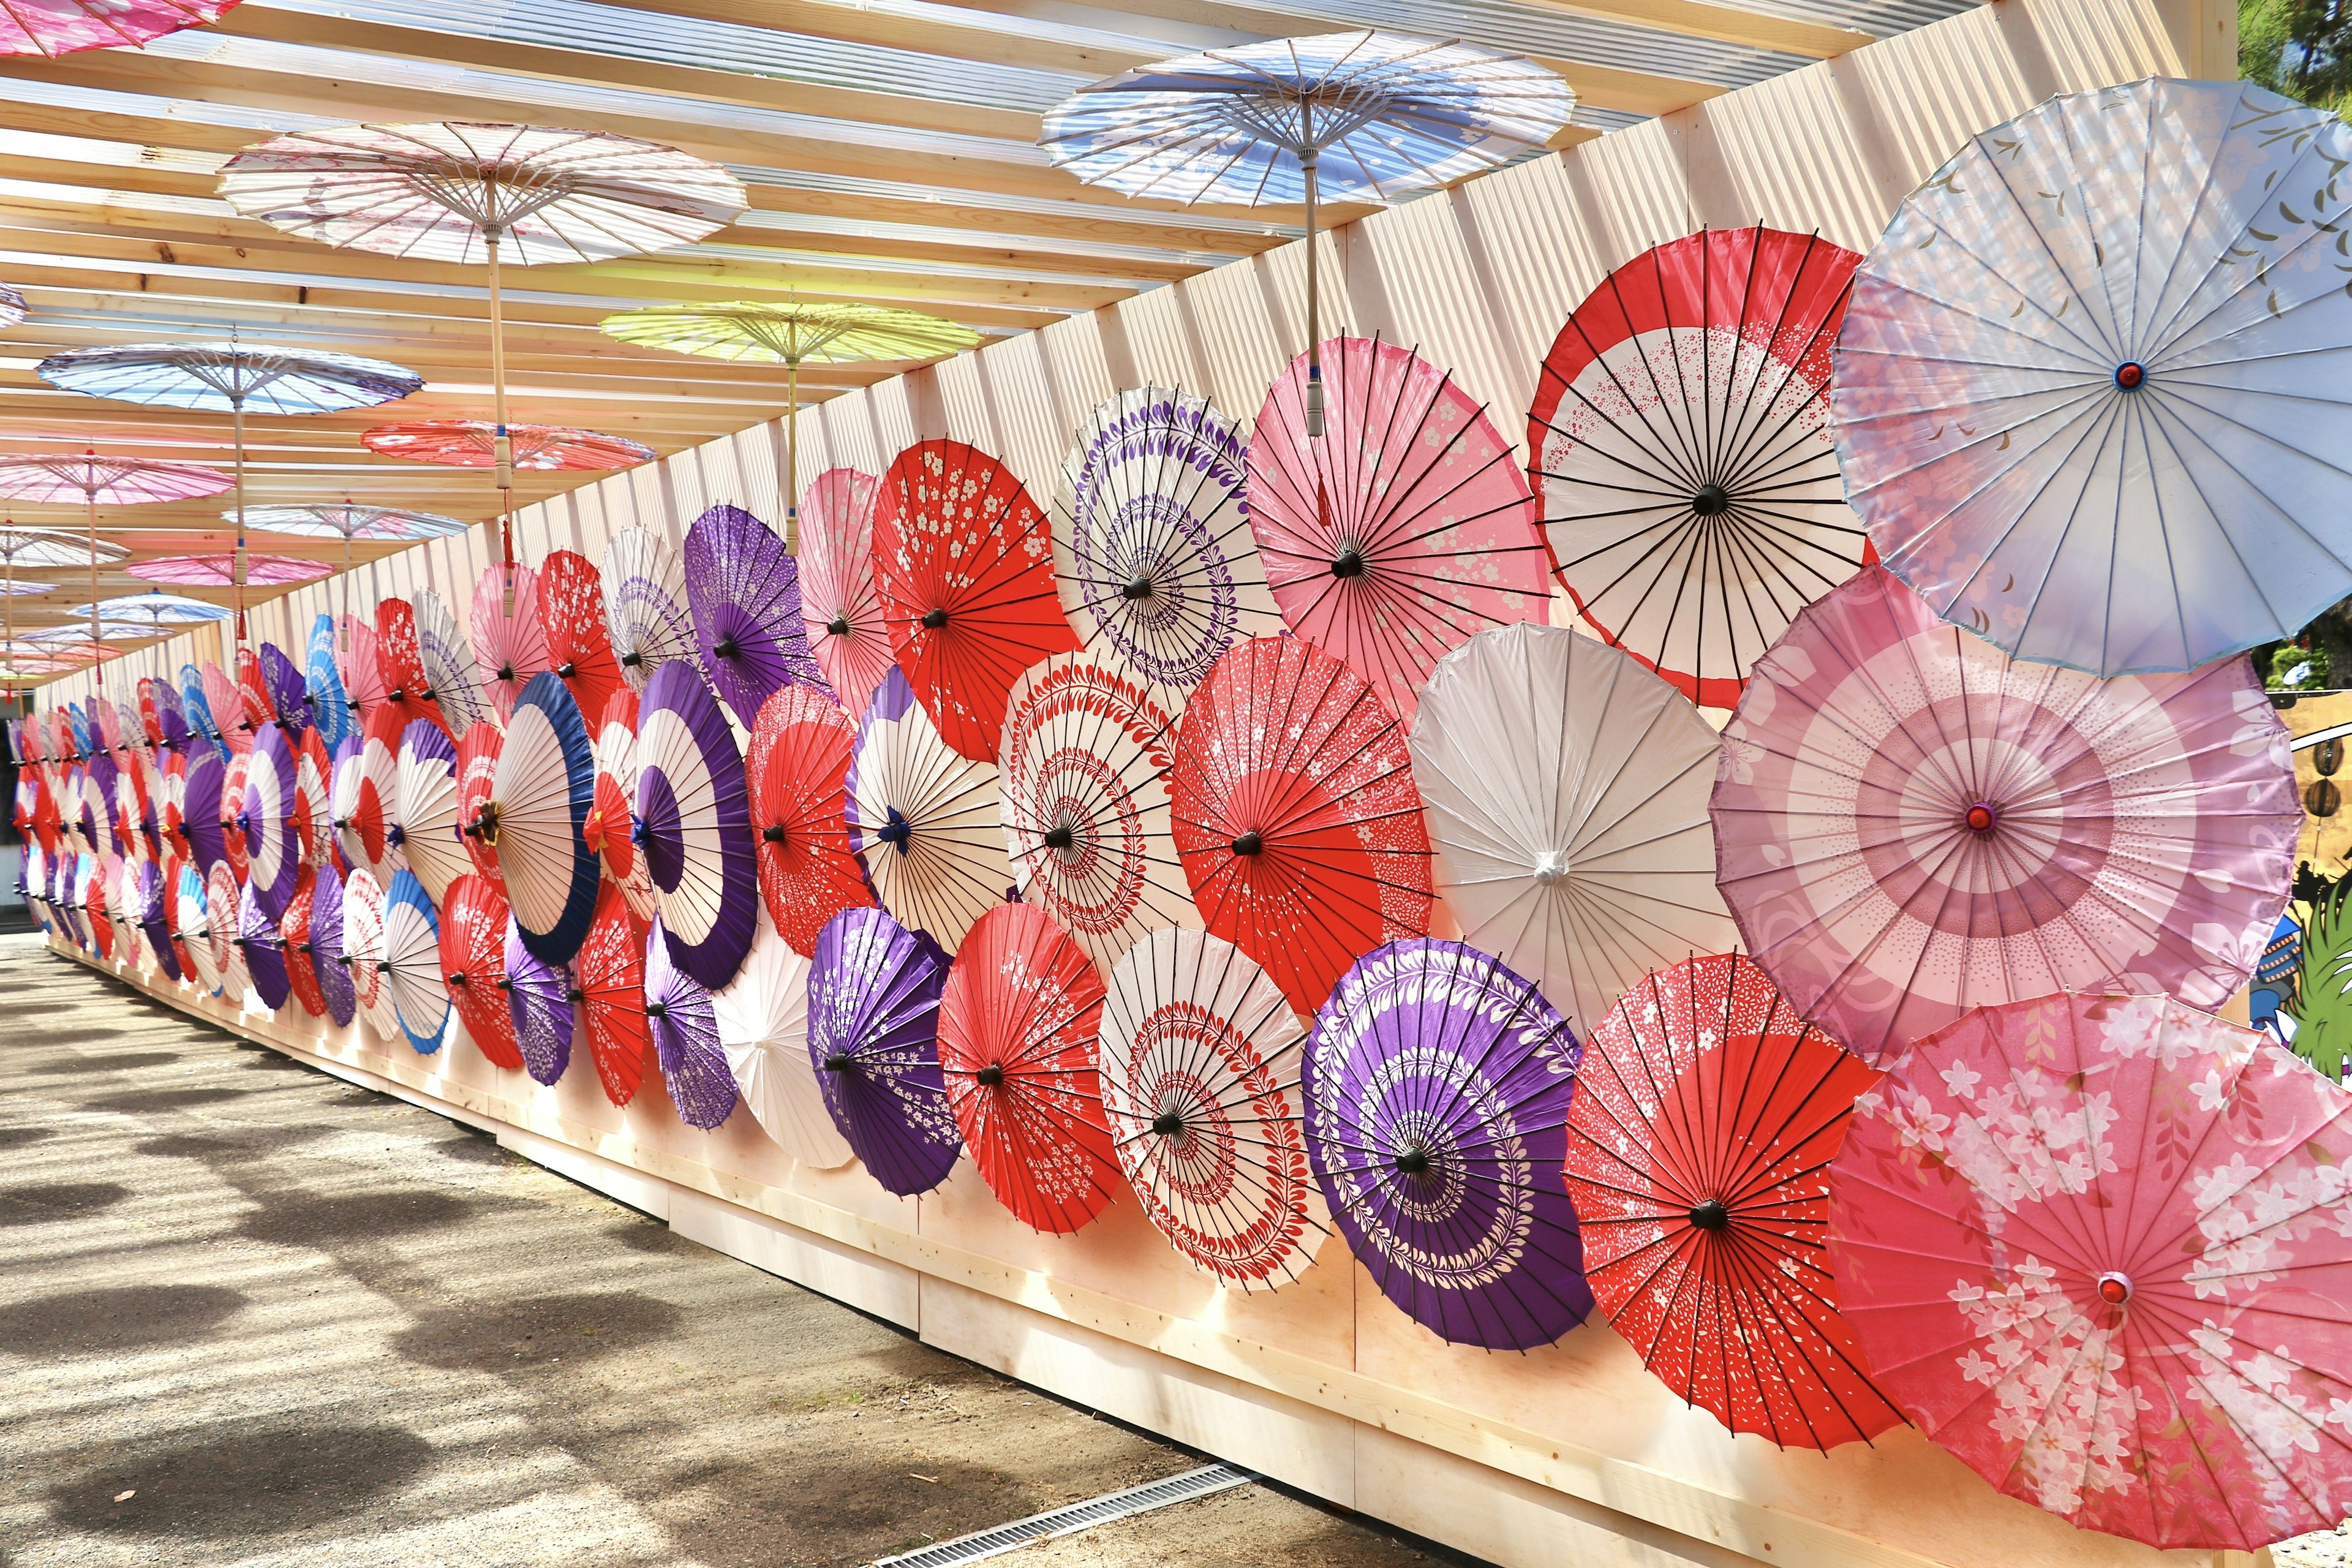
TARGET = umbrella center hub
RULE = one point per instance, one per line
(633, 659)
(990, 1076)
(1711, 500)
(897, 832)
(657, 1009)
(1059, 836)
(2130, 374)
(1413, 1161)
(836, 1061)
(2115, 1288)
(1249, 843)
(934, 618)
(566, 670)
(486, 824)
(838, 626)
(1982, 817)
(1168, 1124)
(395, 834)
(1137, 587)
(1710, 1214)
(456, 977)
(1551, 868)
(506, 672)
(774, 833)
(724, 647)
(1349, 562)
(575, 995)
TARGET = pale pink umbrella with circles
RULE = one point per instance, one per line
(96, 481)
(220, 571)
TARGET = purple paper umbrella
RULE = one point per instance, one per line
(151, 917)
(743, 590)
(200, 809)
(170, 717)
(327, 949)
(289, 693)
(1437, 1084)
(686, 1039)
(103, 777)
(266, 817)
(694, 826)
(545, 1003)
(264, 954)
(873, 1035)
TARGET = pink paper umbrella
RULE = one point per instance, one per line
(220, 571)
(473, 443)
(1909, 824)
(508, 642)
(1405, 530)
(839, 603)
(68, 26)
(2098, 1248)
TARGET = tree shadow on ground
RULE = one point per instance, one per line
(237, 1480)
(105, 1323)
(47, 1201)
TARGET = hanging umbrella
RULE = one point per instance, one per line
(686, 1038)
(1909, 824)
(545, 783)
(873, 1026)
(744, 592)
(1706, 1115)
(840, 607)
(40, 549)
(220, 571)
(2092, 1245)
(610, 828)
(347, 521)
(474, 444)
(612, 972)
(400, 662)
(288, 696)
(1152, 549)
(452, 680)
(264, 952)
(507, 642)
(266, 817)
(1437, 1085)
(1406, 536)
(362, 671)
(572, 621)
(329, 705)
(1566, 789)
(413, 978)
(646, 611)
(694, 825)
(65, 28)
(1198, 1064)
(963, 561)
(337, 986)
(96, 481)
(302, 952)
(792, 333)
(924, 820)
(1291, 797)
(1018, 1020)
(225, 900)
(474, 967)
(1344, 114)
(477, 777)
(543, 1006)
(2113, 467)
(1681, 450)
(366, 788)
(798, 771)
(425, 808)
(763, 1019)
(1087, 750)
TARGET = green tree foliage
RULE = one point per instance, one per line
(2299, 48)
(2311, 664)
(2322, 1007)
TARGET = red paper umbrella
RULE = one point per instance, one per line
(473, 964)
(571, 619)
(294, 931)
(610, 829)
(401, 664)
(507, 642)
(1293, 808)
(1706, 1115)
(799, 766)
(1018, 1027)
(473, 443)
(312, 810)
(612, 969)
(477, 776)
(75, 25)
(236, 848)
(253, 691)
(964, 563)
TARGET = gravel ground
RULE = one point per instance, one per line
(250, 1314)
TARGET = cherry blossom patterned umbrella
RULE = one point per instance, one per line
(763, 1019)
(329, 704)
(545, 783)
(1018, 1020)
(686, 1038)
(67, 26)
(840, 607)
(1085, 757)
(1291, 799)
(474, 967)
(1705, 1116)
(452, 680)
(508, 644)
(543, 1008)
(610, 828)
(1407, 532)
(301, 951)
(365, 954)
(225, 903)
(646, 611)
(744, 592)
(694, 825)
(1566, 791)
(253, 685)
(314, 814)
(611, 970)
(1908, 824)
(266, 818)
(798, 771)
(337, 984)
(425, 808)
(1152, 549)
(264, 952)
(572, 620)
(1680, 447)
(924, 819)
(1198, 1063)
(478, 778)
(2093, 1246)
(874, 1016)
(963, 561)
(400, 660)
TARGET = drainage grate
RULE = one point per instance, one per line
(1077, 1517)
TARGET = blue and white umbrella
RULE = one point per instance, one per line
(546, 781)
(329, 704)
(411, 963)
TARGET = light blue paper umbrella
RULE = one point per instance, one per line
(411, 963)
(199, 710)
(1359, 115)
(322, 680)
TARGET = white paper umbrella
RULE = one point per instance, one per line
(616, 787)
(413, 976)
(451, 677)
(424, 806)
(763, 1027)
(222, 899)
(364, 951)
(1566, 793)
(1085, 810)
(365, 788)
(644, 605)
(924, 819)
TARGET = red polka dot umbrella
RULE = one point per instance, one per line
(477, 777)
(1706, 1115)
(401, 662)
(839, 603)
(611, 967)
(611, 827)
(1018, 1027)
(474, 964)
(964, 561)
(508, 643)
(571, 619)
(798, 770)
(1292, 803)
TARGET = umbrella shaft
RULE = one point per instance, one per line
(502, 448)
(792, 453)
(1307, 162)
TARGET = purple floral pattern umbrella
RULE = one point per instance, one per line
(266, 817)
(170, 717)
(289, 693)
(264, 954)
(874, 1022)
(743, 589)
(152, 920)
(1437, 1085)
(544, 1000)
(200, 810)
(326, 955)
(685, 1028)
(694, 826)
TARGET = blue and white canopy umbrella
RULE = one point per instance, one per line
(539, 804)
(411, 963)
(329, 704)
(1354, 115)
